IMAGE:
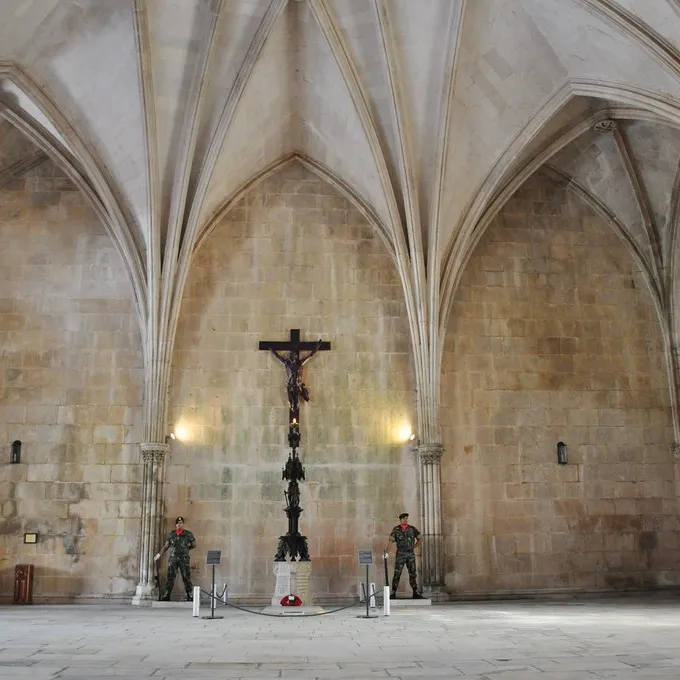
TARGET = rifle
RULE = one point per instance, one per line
(387, 576)
(157, 579)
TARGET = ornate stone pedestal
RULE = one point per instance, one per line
(292, 578)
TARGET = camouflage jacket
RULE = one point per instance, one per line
(181, 545)
(405, 538)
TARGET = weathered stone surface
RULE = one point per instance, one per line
(274, 264)
(554, 337)
(72, 388)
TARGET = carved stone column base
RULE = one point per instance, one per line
(144, 595)
(436, 593)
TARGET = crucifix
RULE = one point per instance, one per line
(293, 363)
(293, 544)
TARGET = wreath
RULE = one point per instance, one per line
(291, 601)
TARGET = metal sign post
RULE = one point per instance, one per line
(366, 558)
(213, 558)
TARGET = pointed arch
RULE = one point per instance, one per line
(324, 173)
(84, 170)
(333, 179)
(520, 160)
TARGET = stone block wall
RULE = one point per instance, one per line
(71, 393)
(553, 336)
(291, 254)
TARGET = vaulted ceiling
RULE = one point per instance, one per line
(427, 113)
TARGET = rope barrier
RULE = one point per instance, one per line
(300, 616)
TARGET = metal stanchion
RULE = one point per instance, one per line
(213, 558)
(368, 589)
(386, 600)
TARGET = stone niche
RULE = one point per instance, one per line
(292, 254)
(553, 337)
(72, 394)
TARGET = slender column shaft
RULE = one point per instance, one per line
(430, 456)
(153, 455)
(144, 541)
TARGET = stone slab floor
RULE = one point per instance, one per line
(614, 638)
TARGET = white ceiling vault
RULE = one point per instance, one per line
(427, 113)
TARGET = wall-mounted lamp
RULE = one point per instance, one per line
(412, 438)
(170, 437)
(562, 458)
(15, 456)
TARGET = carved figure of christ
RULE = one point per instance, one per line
(293, 360)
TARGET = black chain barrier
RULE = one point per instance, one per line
(299, 616)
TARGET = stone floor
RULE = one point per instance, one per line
(614, 638)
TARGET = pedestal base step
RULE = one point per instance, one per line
(410, 602)
(278, 610)
(162, 604)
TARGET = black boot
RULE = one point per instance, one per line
(393, 595)
(417, 595)
(190, 597)
(166, 597)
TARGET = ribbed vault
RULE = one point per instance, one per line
(429, 114)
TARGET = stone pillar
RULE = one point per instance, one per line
(153, 455)
(430, 459)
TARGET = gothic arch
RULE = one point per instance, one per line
(68, 151)
(514, 167)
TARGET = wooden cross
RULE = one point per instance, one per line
(293, 363)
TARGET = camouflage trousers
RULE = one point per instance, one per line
(408, 560)
(181, 563)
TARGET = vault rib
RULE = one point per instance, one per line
(641, 198)
(154, 406)
(409, 191)
(642, 33)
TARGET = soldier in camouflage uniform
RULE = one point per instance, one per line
(407, 538)
(180, 541)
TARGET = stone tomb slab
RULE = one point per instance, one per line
(279, 610)
(410, 602)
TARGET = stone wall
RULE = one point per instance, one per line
(71, 393)
(553, 337)
(291, 254)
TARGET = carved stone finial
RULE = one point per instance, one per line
(675, 450)
(154, 451)
(605, 126)
(430, 453)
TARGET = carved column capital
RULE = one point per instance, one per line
(430, 454)
(675, 450)
(154, 451)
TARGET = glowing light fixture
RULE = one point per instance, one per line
(181, 432)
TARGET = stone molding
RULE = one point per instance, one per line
(154, 451)
(430, 453)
